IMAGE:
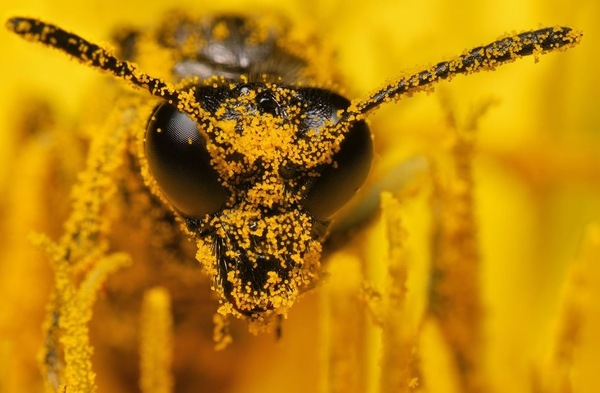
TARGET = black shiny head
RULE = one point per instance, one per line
(264, 178)
(197, 184)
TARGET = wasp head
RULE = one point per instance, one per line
(259, 183)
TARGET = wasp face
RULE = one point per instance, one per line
(264, 261)
(258, 184)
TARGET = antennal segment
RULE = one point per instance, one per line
(97, 57)
(486, 57)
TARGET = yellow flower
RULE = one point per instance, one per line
(479, 274)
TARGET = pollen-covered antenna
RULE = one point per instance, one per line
(477, 59)
(93, 55)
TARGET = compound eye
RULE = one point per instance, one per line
(338, 183)
(180, 163)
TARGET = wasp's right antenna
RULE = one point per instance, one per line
(93, 55)
(477, 59)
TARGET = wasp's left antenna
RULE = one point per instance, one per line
(482, 58)
(97, 57)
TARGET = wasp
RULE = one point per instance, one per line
(247, 151)
(241, 153)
